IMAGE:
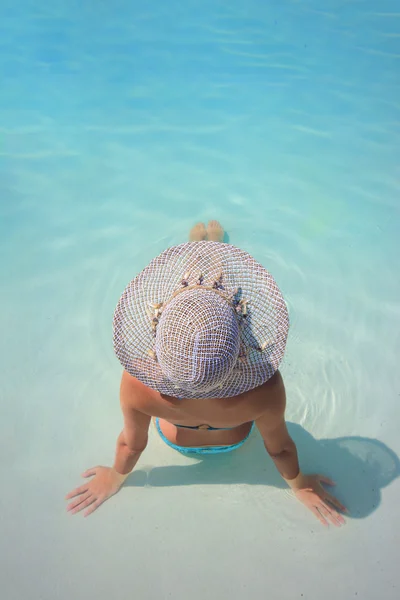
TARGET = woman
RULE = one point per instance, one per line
(200, 333)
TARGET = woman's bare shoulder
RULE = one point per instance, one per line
(137, 395)
(270, 397)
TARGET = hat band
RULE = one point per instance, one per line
(239, 307)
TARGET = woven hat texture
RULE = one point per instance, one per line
(202, 320)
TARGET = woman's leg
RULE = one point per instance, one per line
(215, 232)
(198, 233)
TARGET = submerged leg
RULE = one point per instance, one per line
(198, 233)
(215, 231)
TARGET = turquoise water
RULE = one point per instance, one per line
(121, 125)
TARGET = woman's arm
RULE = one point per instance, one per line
(277, 441)
(133, 438)
(106, 481)
(282, 449)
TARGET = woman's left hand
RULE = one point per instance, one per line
(311, 493)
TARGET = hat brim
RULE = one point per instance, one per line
(264, 334)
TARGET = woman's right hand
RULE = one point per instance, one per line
(105, 483)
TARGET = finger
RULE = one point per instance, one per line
(326, 480)
(331, 515)
(94, 506)
(83, 505)
(80, 490)
(335, 502)
(319, 516)
(78, 501)
(90, 472)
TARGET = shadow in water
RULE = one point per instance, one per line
(227, 239)
(361, 467)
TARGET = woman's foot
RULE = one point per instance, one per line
(198, 233)
(215, 231)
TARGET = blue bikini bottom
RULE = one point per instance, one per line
(201, 449)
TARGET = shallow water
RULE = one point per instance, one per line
(120, 126)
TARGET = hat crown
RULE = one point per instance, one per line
(198, 340)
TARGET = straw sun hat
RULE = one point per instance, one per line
(202, 320)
